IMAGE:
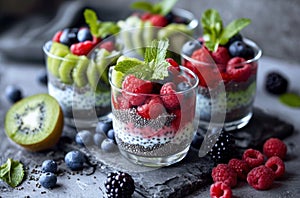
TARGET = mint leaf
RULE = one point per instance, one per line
(108, 28)
(124, 64)
(143, 72)
(233, 28)
(166, 6)
(12, 172)
(290, 99)
(143, 5)
(91, 19)
(163, 7)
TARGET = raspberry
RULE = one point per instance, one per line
(240, 167)
(173, 63)
(221, 57)
(275, 147)
(96, 40)
(108, 45)
(253, 157)
(277, 165)
(238, 72)
(151, 109)
(223, 173)
(202, 55)
(121, 102)
(82, 48)
(261, 177)
(56, 37)
(169, 96)
(220, 190)
(135, 88)
(158, 20)
(146, 16)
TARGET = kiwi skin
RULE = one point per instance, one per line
(46, 143)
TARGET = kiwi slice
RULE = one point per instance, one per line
(56, 54)
(102, 63)
(80, 71)
(66, 68)
(35, 122)
(93, 75)
(117, 78)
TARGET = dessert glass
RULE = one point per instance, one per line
(86, 100)
(161, 140)
(237, 98)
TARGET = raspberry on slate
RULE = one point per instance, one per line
(240, 167)
(82, 48)
(134, 88)
(152, 108)
(223, 173)
(275, 147)
(238, 72)
(261, 177)
(158, 20)
(220, 190)
(277, 165)
(253, 157)
(168, 96)
(221, 57)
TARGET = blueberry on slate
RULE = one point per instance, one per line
(69, 36)
(84, 34)
(42, 77)
(108, 145)
(84, 138)
(103, 126)
(111, 134)
(276, 83)
(13, 93)
(241, 49)
(49, 166)
(98, 139)
(48, 180)
(75, 160)
(197, 141)
(189, 47)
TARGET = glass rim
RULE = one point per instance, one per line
(193, 22)
(193, 87)
(247, 41)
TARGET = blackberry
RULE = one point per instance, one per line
(223, 149)
(276, 83)
(119, 185)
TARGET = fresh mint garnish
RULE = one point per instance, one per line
(214, 34)
(290, 99)
(12, 172)
(97, 27)
(163, 7)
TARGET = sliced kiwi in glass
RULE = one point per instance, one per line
(35, 122)
(102, 63)
(93, 75)
(80, 71)
(56, 54)
(66, 68)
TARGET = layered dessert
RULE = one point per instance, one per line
(153, 106)
(77, 61)
(223, 58)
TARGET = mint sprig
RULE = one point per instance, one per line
(290, 99)
(12, 172)
(214, 34)
(97, 27)
(163, 7)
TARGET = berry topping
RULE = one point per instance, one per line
(241, 49)
(132, 86)
(275, 147)
(277, 165)
(276, 83)
(221, 57)
(237, 37)
(261, 177)
(238, 72)
(13, 93)
(202, 55)
(223, 173)
(48, 180)
(69, 36)
(146, 16)
(82, 48)
(253, 157)
(240, 167)
(172, 62)
(152, 108)
(220, 190)
(119, 184)
(57, 36)
(84, 34)
(49, 166)
(158, 20)
(108, 45)
(75, 160)
(189, 47)
(169, 96)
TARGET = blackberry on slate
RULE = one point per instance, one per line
(223, 149)
(276, 83)
(119, 184)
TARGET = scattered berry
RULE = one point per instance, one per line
(48, 180)
(108, 145)
(197, 140)
(158, 20)
(238, 72)
(221, 57)
(240, 167)
(75, 160)
(84, 34)
(84, 138)
(104, 126)
(119, 184)
(82, 48)
(261, 177)
(13, 93)
(275, 147)
(276, 83)
(111, 134)
(241, 49)
(43, 77)
(57, 36)
(253, 157)
(220, 190)
(98, 139)
(152, 108)
(277, 165)
(169, 96)
(49, 166)
(223, 173)
(189, 47)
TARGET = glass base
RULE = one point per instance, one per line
(155, 161)
(229, 126)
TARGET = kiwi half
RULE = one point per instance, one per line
(35, 122)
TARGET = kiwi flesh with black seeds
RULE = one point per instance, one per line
(35, 122)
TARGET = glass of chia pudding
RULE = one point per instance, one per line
(231, 63)
(153, 107)
(78, 61)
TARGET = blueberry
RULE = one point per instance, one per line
(84, 34)
(42, 77)
(49, 166)
(190, 46)
(111, 134)
(170, 17)
(108, 145)
(276, 83)
(237, 37)
(104, 126)
(48, 180)
(98, 139)
(197, 141)
(13, 93)
(241, 49)
(75, 160)
(48, 45)
(69, 36)
(84, 138)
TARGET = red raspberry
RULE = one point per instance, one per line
(261, 177)
(108, 45)
(56, 37)
(275, 147)
(240, 167)
(82, 48)
(96, 40)
(169, 96)
(152, 108)
(253, 157)
(158, 20)
(238, 72)
(220, 190)
(135, 88)
(221, 57)
(146, 16)
(223, 173)
(277, 165)
(120, 102)
(203, 55)
(173, 63)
